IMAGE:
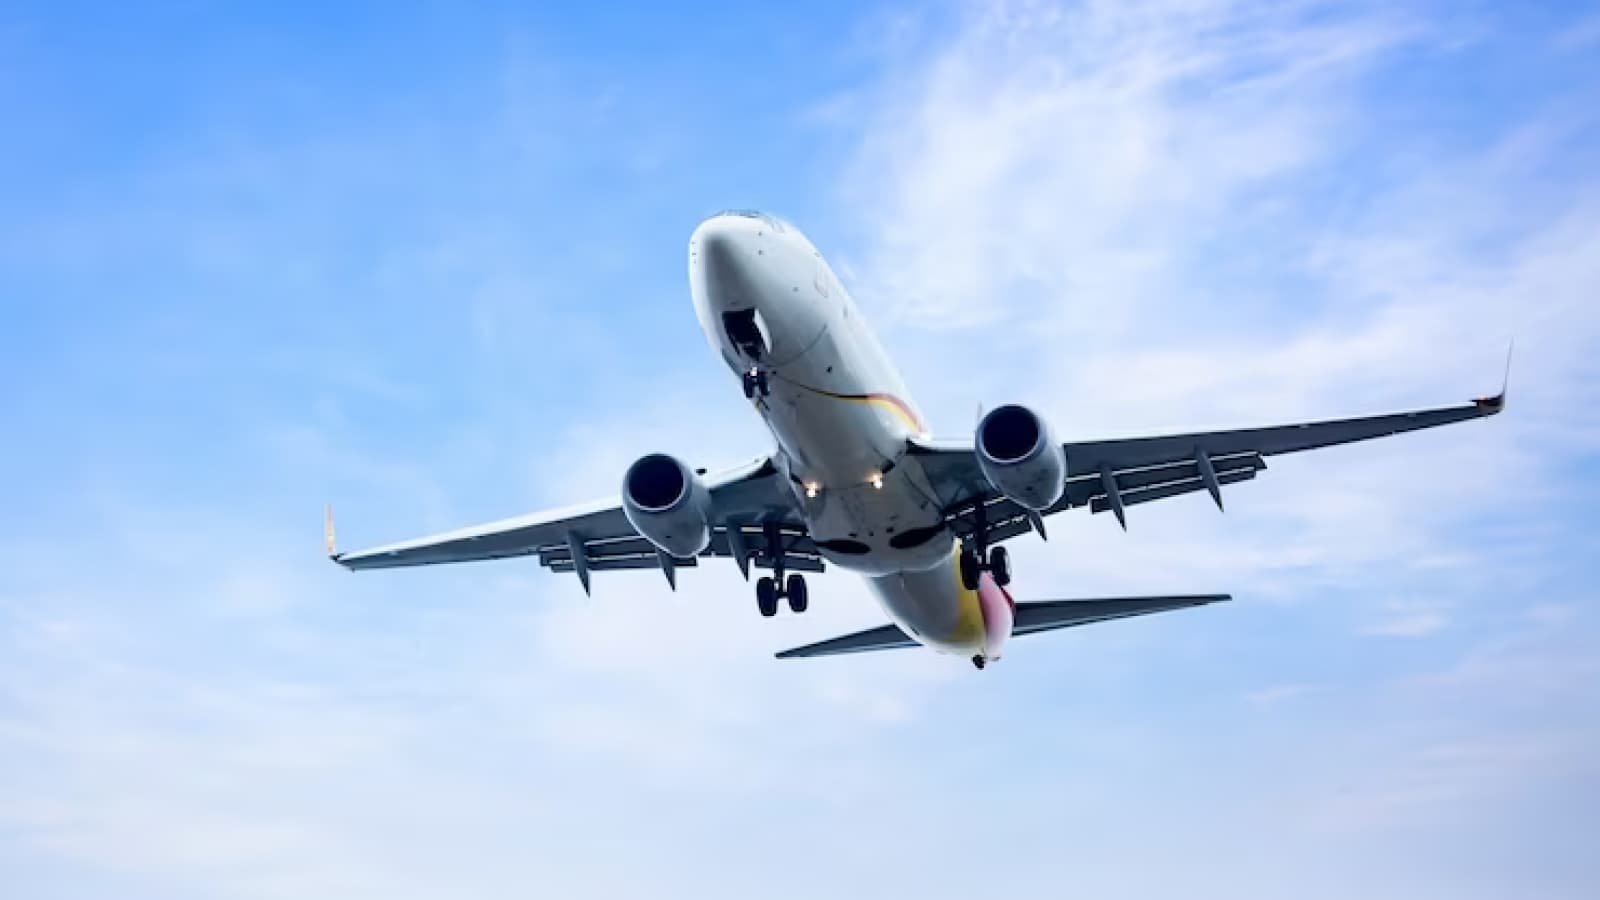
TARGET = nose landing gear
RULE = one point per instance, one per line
(748, 334)
(755, 383)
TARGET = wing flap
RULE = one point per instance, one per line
(1132, 479)
(798, 552)
(752, 493)
(652, 561)
(1101, 504)
(598, 550)
(615, 563)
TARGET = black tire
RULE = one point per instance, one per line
(968, 564)
(799, 597)
(762, 385)
(767, 596)
(749, 387)
(1000, 566)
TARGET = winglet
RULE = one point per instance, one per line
(1492, 405)
(327, 532)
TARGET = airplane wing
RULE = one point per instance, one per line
(1031, 618)
(1112, 475)
(747, 504)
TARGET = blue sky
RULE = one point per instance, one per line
(430, 265)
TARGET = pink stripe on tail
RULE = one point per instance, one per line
(999, 614)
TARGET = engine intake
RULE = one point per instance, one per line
(1020, 456)
(666, 503)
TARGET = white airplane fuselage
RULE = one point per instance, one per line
(841, 417)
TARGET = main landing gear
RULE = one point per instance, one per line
(771, 589)
(973, 564)
(755, 382)
(998, 566)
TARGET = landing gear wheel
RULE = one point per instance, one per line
(978, 662)
(1000, 566)
(749, 386)
(767, 596)
(762, 387)
(797, 594)
(969, 569)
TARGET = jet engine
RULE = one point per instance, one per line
(1020, 456)
(667, 503)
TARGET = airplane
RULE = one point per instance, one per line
(857, 481)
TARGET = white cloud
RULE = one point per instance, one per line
(1132, 201)
(1416, 624)
(1065, 159)
(1580, 35)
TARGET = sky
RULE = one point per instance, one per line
(429, 264)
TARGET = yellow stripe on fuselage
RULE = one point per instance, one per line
(889, 402)
(898, 407)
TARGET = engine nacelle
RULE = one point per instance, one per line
(667, 503)
(1020, 456)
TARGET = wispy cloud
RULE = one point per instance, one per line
(1413, 624)
(1409, 619)
(1117, 194)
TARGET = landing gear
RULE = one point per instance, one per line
(799, 598)
(972, 562)
(755, 382)
(970, 568)
(979, 662)
(1000, 566)
(771, 589)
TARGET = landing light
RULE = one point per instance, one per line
(811, 490)
(876, 480)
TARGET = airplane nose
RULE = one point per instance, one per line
(745, 272)
(721, 257)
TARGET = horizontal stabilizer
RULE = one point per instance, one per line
(1048, 615)
(887, 637)
(1043, 615)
